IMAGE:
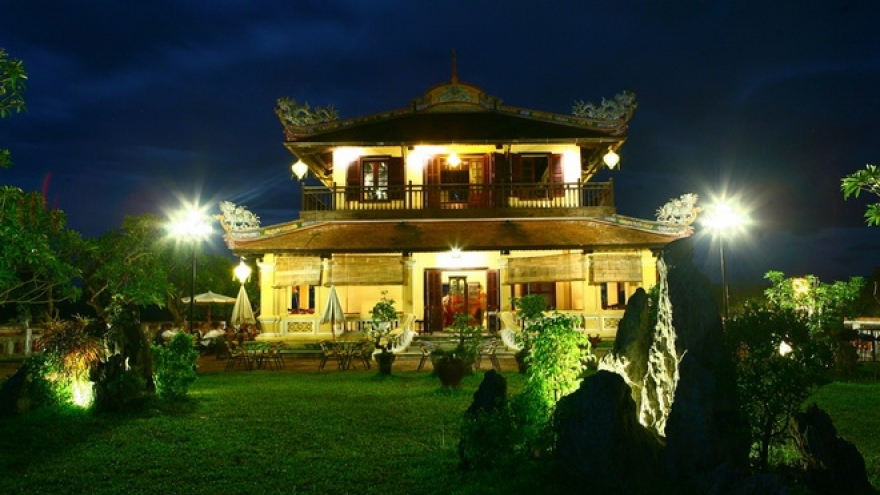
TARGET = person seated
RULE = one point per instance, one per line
(167, 332)
(242, 334)
(157, 339)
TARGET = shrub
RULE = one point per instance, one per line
(117, 386)
(175, 366)
(489, 439)
(72, 349)
(772, 383)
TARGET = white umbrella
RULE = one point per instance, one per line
(210, 298)
(242, 312)
(333, 311)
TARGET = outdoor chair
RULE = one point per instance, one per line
(276, 356)
(488, 348)
(330, 350)
(235, 354)
(427, 348)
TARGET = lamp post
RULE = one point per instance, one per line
(722, 218)
(191, 224)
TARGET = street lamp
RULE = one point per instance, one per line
(191, 225)
(723, 218)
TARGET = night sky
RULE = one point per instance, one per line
(135, 107)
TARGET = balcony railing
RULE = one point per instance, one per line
(438, 199)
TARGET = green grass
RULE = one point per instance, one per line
(263, 432)
(855, 410)
(306, 433)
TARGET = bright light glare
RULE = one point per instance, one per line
(191, 223)
(784, 348)
(723, 217)
(82, 393)
(242, 271)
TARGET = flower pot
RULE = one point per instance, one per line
(384, 360)
(450, 370)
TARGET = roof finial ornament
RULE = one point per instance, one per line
(454, 68)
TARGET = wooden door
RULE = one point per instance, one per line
(432, 184)
(433, 300)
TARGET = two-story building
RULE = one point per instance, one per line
(455, 203)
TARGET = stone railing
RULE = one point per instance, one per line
(17, 341)
(455, 200)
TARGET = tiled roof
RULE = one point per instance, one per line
(468, 235)
(428, 128)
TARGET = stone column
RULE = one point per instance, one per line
(407, 290)
(269, 319)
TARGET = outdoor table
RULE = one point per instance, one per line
(255, 352)
(350, 344)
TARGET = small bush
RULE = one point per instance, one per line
(175, 366)
(117, 387)
(489, 439)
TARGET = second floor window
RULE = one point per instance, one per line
(539, 175)
(375, 179)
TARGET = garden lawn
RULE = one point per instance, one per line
(855, 411)
(264, 432)
(308, 433)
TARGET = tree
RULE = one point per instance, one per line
(36, 253)
(824, 306)
(867, 180)
(12, 88)
(779, 363)
(214, 273)
(124, 267)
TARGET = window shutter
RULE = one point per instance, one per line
(395, 177)
(516, 169)
(501, 175)
(432, 183)
(556, 176)
(353, 181)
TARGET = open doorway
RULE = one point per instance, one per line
(451, 292)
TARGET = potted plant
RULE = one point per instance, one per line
(452, 366)
(528, 310)
(382, 315)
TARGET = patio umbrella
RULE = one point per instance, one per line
(210, 298)
(333, 312)
(242, 312)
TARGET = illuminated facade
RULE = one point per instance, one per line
(455, 203)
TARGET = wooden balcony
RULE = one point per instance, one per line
(417, 201)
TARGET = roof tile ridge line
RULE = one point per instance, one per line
(279, 228)
(517, 111)
(646, 225)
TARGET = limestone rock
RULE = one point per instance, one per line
(833, 465)
(599, 435)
